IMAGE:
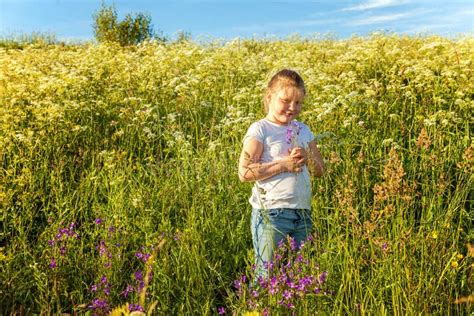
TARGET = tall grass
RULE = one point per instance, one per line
(108, 151)
(20, 40)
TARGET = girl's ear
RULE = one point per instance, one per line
(268, 97)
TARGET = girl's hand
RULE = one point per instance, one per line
(299, 155)
(289, 164)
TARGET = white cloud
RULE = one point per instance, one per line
(444, 22)
(380, 19)
(374, 4)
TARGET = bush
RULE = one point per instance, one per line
(130, 31)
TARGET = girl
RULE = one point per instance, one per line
(278, 154)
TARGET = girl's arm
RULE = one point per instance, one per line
(251, 169)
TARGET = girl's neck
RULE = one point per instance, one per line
(268, 118)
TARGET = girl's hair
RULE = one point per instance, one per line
(285, 78)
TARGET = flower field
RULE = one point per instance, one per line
(119, 189)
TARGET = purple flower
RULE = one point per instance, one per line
(292, 132)
(274, 281)
(289, 135)
(262, 282)
(221, 310)
(303, 282)
(103, 279)
(94, 288)
(302, 244)
(384, 246)
(135, 308)
(268, 265)
(98, 304)
(62, 250)
(255, 293)
(293, 244)
(278, 257)
(51, 242)
(127, 291)
(237, 284)
(138, 275)
(53, 263)
(322, 277)
(281, 243)
(98, 221)
(103, 249)
(143, 257)
(273, 290)
(111, 229)
(287, 295)
(146, 257)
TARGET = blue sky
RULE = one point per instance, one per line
(226, 19)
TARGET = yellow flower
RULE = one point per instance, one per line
(252, 313)
(459, 256)
(454, 264)
(434, 234)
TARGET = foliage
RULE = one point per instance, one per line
(107, 150)
(35, 38)
(131, 30)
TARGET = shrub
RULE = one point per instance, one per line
(130, 31)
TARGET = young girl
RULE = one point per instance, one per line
(278, 154)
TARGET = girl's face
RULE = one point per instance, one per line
(284, 105)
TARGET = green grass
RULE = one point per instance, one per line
(147, 138)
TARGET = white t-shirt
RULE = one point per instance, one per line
(286, 189)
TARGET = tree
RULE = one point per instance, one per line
(130, 31)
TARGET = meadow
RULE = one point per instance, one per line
(119, 189)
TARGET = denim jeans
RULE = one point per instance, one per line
(271, 226)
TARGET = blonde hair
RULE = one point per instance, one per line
(285, 78)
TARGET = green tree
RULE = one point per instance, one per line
(130, 31)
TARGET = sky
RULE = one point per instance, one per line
(72, 20)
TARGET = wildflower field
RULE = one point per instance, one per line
(119, 189)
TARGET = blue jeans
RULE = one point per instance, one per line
(269, 227)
